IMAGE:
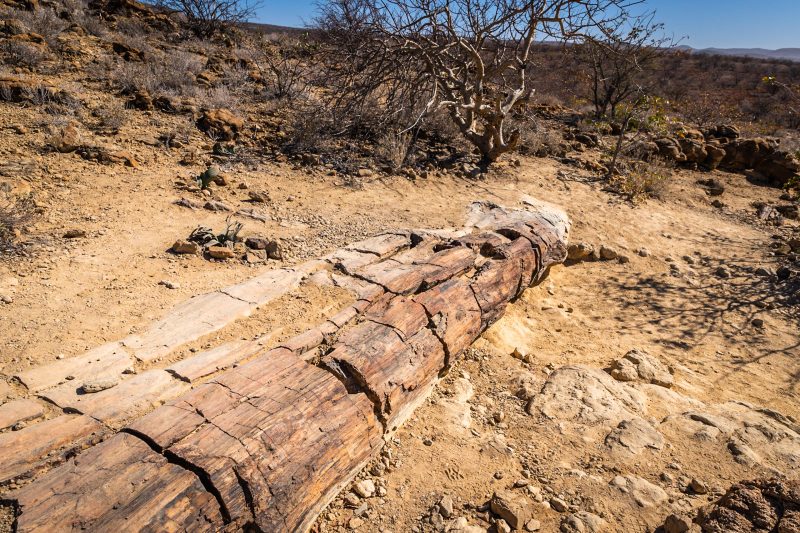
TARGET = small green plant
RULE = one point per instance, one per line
(209, 175)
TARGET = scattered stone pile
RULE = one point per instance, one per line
(722, 147)
(228, 245)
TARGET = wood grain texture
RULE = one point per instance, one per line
(265, 439)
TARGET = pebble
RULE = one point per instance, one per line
(75, 234)
(6, 299)
(558, 505)
(758, 322)
(98, 385)
(607, 253)
(722, 272)
(698, 487)
(365, 488)
(170, 284)
(446, 506)
(533, 525)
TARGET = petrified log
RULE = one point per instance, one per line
(265, 445)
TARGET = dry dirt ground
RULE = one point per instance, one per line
(582, 449)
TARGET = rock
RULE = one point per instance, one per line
(68, 139)
(586, 396)
(750, 506)
(75, 234)
(364, 172)
(722, 272)
(355, 523)
(185, 247)
(461, 525)
(559, 505)
(97, 385)
(446, 506)
(715, 156)
(257, 243)
(698, 487)
(221, 252)
(634, 436)
(352, 500)
(511, 507)
(783, 273)
(533, 525)
(643, 252)
(501, 526)
(579, 251)
(274, 251)
(608, 253)
(170, 284)
(6, 299)
(676, 523)
(582, 522)
(259, 196)
(220, 124)
(213, 205)
(717, 204)
(637, 365)
(713, 186)
(644, 493)
(365, 488)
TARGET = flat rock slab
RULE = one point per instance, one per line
(187, 322)
(25, 451)
(262, 289)
(123, 475)
(208, 362)
(19, 411)
(106, 361)
(382, 245)
(129, 399)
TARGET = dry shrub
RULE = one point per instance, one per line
(16, 214)
(309, 130)
(43, 21)
(394, 148)
(23, 54)
(643, 179)
(173, 73)
(110, 117)
(538, 140)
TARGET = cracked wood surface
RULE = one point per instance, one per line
(244, 437)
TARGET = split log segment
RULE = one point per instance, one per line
(267, 444)
(38, 446)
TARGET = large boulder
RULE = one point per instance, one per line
(669, 149)
(761, 505)
(220, 123)
(694, 150)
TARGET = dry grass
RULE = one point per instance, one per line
(642, 180)
(15, 216)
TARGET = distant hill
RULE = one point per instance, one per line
(792, 54)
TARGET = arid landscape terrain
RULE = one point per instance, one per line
(651, 382)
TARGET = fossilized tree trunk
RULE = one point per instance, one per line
(267, 444)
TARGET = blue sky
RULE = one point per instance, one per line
(706, 23)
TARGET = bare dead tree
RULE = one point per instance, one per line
(207, 17)
(471, 58)
(618, 58)
(283, 60)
